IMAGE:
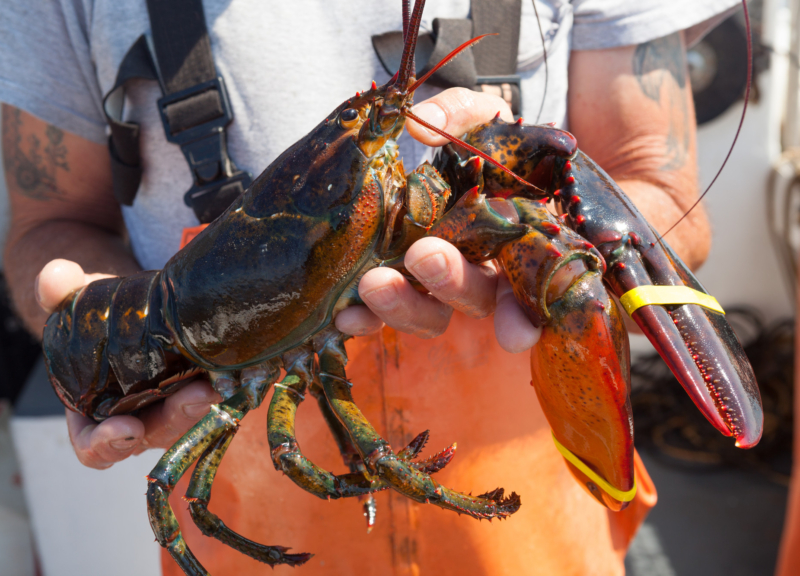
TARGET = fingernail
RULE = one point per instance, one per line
(123, 445)
(382, 298)
(431, 269)
(196, 410)
(432, 114)
(36, 291)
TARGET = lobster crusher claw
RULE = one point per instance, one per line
(622, 496)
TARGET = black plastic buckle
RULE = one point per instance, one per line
(514, 99)
(217, 181)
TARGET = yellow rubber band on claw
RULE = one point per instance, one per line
(659, 295)
(594, 477)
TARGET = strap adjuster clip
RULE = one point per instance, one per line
(195, 119)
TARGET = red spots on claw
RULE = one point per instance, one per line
(588, 245)
(544, 200)
(575, 199)
(567, 166)
(635, 237)
(519, 121)
(557, 193)
(580, 219)
(551, 124)
(570, 179)
(497, 116)
(374, 86)
(621, 265)
(358, 94)
(563, 216)
(551, 228)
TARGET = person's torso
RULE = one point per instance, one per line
(287, 65)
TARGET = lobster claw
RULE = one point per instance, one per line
(581, 364)
(686, 326)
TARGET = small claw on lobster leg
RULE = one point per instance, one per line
(695, 340)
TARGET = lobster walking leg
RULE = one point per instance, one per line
(171, 467)
(377, 454)
(211, 432)
(198, 495)
(289, 459)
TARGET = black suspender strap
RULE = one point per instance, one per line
(123, 143)
(195, 109)
(489, 66)
(496, 57)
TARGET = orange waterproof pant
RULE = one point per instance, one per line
(465, 388)
(789, 556)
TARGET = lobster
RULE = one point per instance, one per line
(256, 292)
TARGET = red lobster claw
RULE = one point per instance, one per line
(686, 326)
(581, 365)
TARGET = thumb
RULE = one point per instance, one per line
(57, 279)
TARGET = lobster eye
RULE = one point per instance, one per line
(349, 117)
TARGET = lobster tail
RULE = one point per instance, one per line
(74, 344)
(107, 348)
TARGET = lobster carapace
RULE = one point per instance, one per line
(255, 293)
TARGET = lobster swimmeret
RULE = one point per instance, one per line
(256, 292)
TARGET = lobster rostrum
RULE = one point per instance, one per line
(256, 292)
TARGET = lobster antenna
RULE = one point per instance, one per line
(741, 120)
(544, 52)
(406, 70)
(447, 59)
(406, 16)
(472, 149)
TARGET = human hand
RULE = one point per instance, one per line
(157, 426)
(453, 282)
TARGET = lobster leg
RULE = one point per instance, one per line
(171, 467)
(377, 453)
(221, 421)
(288, 458)
(198, 496)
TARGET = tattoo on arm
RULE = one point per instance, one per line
(29, 165)
(654, 63)
(661, 55)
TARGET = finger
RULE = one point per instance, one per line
(57, 279)
(513, 330)
(100, 445)
(456, 111)
(441, 268)
(358, 321)
(167, 421)
(392, 298)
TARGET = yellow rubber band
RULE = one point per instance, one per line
(650, 295)
(607, 488)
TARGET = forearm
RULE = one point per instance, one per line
(27, 251)
(691, 239)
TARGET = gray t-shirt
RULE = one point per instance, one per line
(286, 65)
